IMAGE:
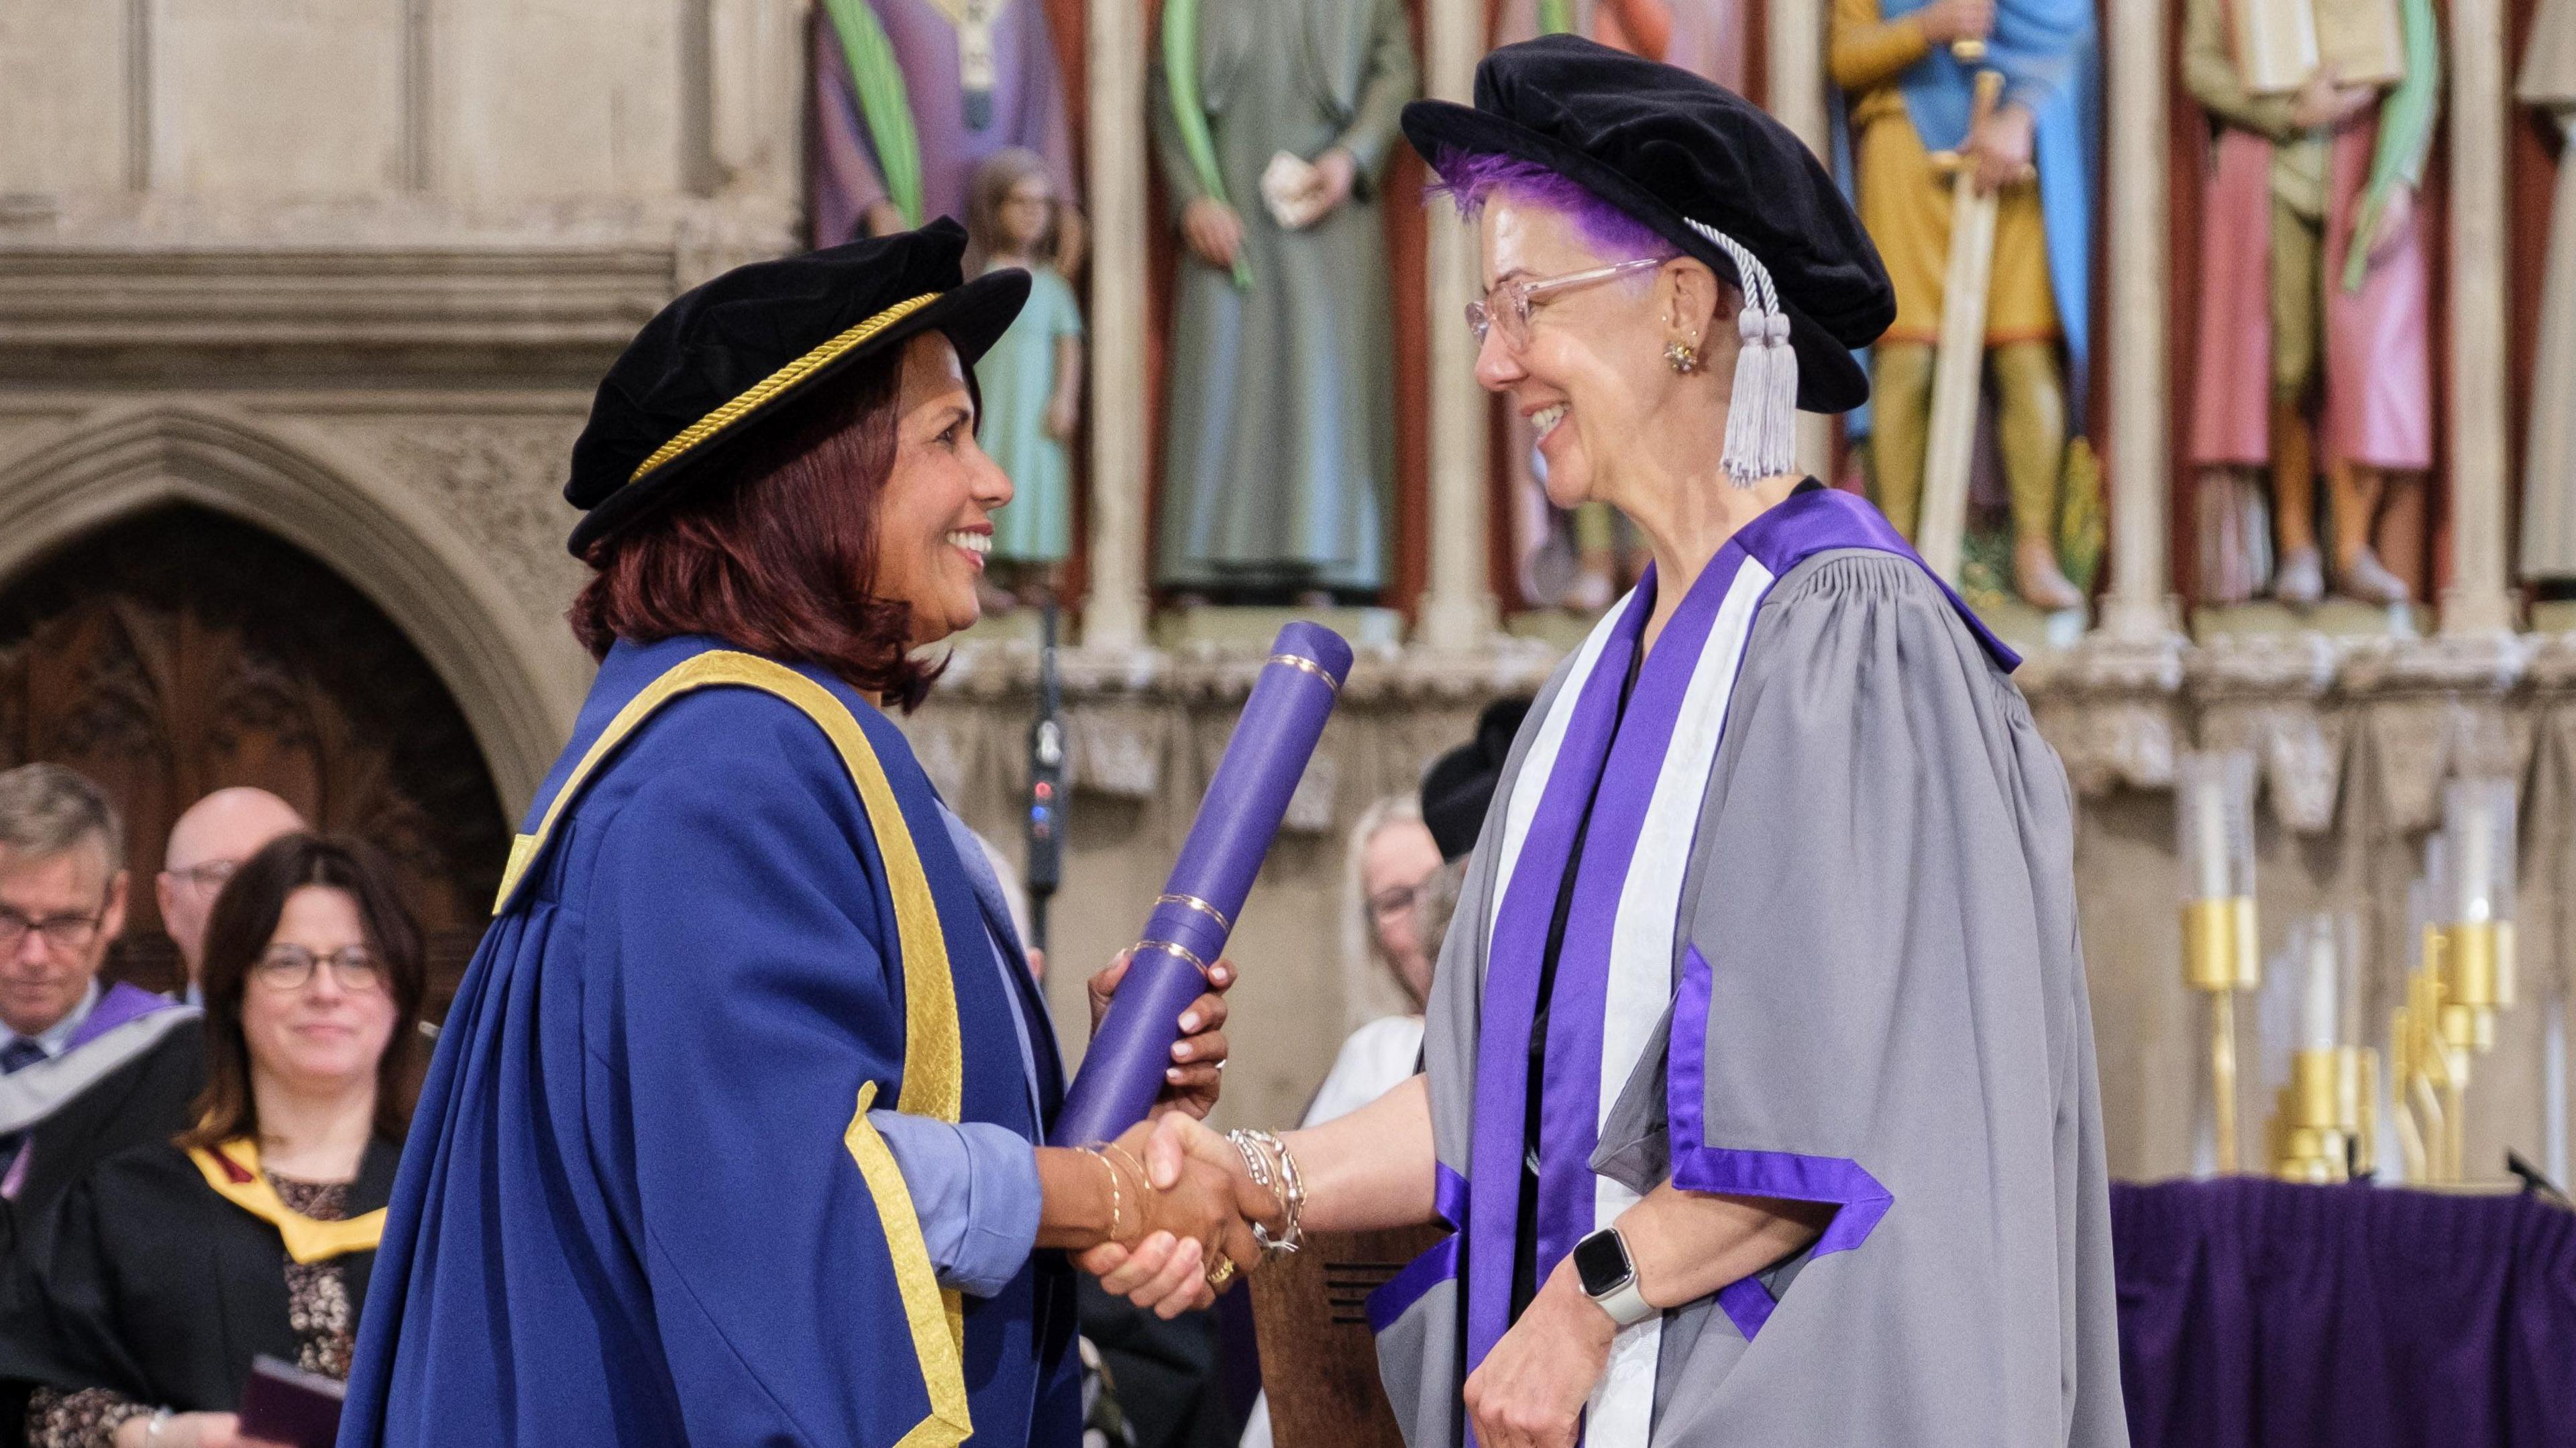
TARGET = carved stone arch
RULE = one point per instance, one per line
(518, 682)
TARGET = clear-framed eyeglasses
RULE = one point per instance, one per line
(289, 967)
(1506, 309)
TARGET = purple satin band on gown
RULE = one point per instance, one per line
(1699, 1166)
(1397, 1294)
(1248, 796)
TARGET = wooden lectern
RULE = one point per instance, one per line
(1318, 1357)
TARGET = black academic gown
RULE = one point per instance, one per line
(148, 1099)
(164, 1291)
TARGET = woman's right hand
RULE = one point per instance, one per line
(1196, 1210)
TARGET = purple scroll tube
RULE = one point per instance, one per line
(1123, 1071)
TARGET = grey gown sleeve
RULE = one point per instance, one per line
(1881, 1005)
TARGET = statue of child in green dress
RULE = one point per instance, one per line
(1031, 379)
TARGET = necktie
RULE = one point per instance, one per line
(19, 1053)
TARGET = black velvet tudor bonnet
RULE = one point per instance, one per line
(1688, 157)
(720, 361)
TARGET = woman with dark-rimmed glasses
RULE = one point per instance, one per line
(177, 1263)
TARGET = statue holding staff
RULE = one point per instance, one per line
(1911, 97)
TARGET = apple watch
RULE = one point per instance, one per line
(1609, 1278)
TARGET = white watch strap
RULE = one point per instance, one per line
(1626, 1305)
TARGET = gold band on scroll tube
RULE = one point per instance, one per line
(1182, 951)
(1204, 908)
(1295, 661)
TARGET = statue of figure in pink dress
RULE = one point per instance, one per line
(2313, 355)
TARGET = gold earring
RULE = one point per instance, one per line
(1683, 356)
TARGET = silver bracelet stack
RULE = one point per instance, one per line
(1273, 1168)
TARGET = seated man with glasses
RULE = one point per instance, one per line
(210, 840)
(85, 1071)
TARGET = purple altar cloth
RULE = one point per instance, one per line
(1245, 800)
(2258, 1312)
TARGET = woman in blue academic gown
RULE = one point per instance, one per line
(729, 1138)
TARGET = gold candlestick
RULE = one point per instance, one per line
(2219, 959)
(2432, 1066)
(2214, 843)
(2317, 1133)
(2477, 977)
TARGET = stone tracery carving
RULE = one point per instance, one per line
(180, 652)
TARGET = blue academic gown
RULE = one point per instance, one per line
(640, 1204)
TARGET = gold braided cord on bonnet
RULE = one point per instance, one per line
(779, 381)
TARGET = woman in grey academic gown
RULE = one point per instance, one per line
(1760, 1079)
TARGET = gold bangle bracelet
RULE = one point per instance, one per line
(1117, 1213)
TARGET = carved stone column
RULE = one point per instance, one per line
(2477, 601)
(1794, 71)
(1458, 608)
(1113, 613)
(2139, 453)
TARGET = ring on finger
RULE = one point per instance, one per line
(1222, 1273)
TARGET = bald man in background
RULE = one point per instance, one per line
(208, 843)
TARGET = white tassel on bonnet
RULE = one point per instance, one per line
(1762, 411)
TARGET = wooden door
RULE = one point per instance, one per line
(181, 652)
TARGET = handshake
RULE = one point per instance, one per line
(1182, 1211)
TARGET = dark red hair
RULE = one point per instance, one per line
(779, 559)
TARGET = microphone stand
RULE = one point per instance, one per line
(1045, 820)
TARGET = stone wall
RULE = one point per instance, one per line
(350, 269)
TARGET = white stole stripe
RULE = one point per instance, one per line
(1531, 784)
(1643, 947)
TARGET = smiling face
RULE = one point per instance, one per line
(1593, 372)
(935, 517)
(325, 1036)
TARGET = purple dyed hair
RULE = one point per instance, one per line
(1472, 178)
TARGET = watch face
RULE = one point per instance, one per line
(1601, 1260)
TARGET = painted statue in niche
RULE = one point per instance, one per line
(1581, 560)
(2313, 354)
(911, 96)
(1909, 73)
(2548, 82)
(1272, 136)
(1031, 380)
